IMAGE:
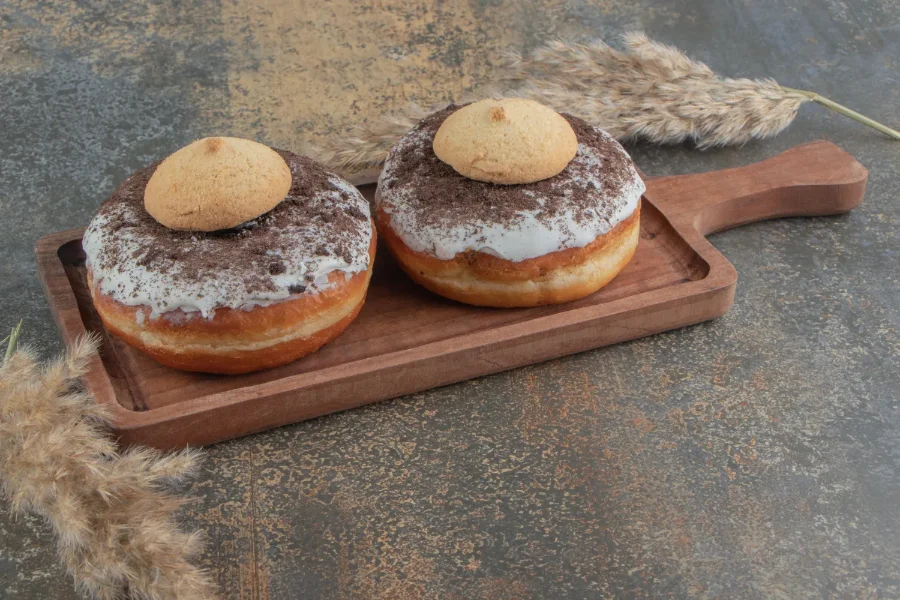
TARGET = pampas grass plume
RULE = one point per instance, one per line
(113, 518)
(649, 91)
(654, 92)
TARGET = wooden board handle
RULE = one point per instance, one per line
(809, 180)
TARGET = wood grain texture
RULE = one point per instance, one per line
(407, 340)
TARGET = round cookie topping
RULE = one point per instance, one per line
(216, 183)
(506, 141)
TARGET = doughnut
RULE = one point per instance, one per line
(495, 244)
(258, 295)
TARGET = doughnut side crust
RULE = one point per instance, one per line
(241, 340)
(484, 280)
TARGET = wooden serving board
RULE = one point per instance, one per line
(407, 339)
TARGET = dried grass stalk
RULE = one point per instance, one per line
(111, 512)
(654, 92)
(649, 91)
(368, 146)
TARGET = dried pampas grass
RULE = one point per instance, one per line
(111, 512)
(367, 148)
(654, 92)
(649, 91)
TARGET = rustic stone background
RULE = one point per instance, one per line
(752, 457)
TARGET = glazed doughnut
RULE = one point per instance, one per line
(259, 295)
(547, 242)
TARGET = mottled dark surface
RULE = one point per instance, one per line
(752, 457)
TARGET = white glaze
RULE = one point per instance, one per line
(530, 236)
(134, 284)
